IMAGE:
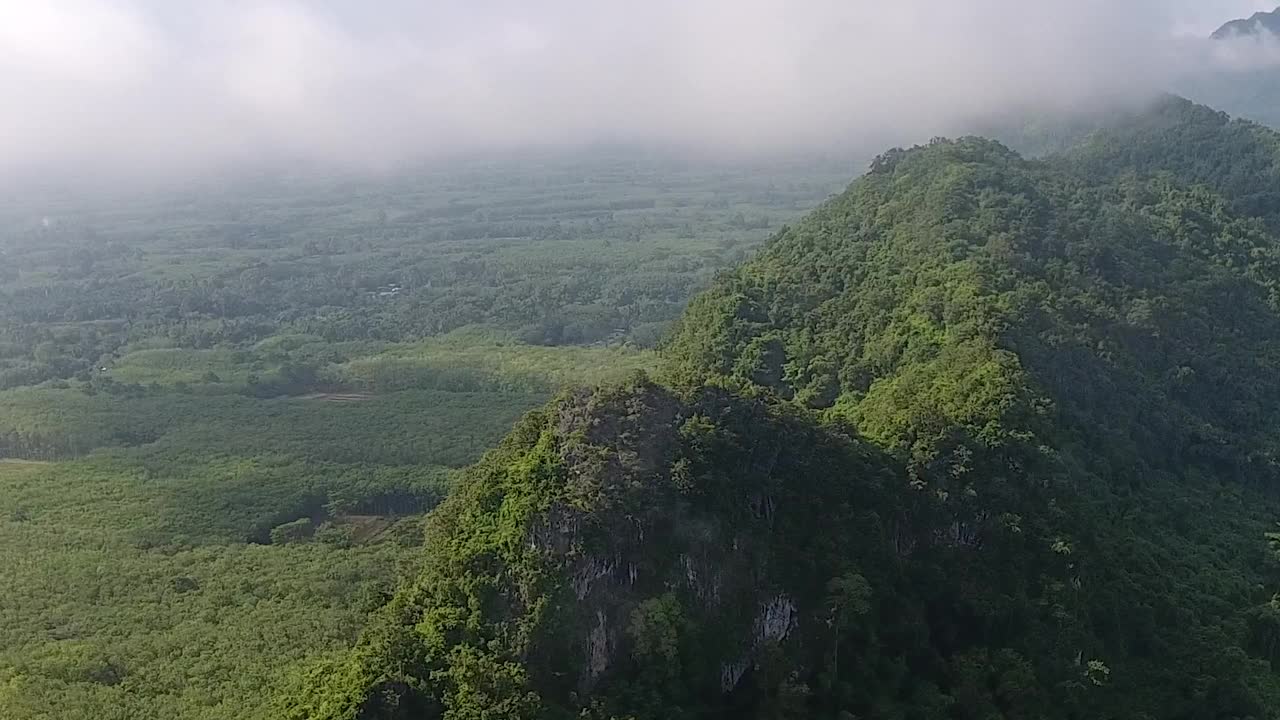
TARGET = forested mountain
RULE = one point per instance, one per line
(982, 437)
(1259, 22)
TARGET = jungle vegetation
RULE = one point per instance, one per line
(981, 437)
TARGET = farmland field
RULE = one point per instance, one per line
(221, 411)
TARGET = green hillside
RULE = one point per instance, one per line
(982, 437)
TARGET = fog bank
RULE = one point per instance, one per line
(130, 88)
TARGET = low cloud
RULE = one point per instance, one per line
(109, 88)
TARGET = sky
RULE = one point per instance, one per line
(117, 88)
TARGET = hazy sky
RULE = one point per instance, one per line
(135, 86)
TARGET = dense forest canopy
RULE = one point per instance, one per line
(980, 437)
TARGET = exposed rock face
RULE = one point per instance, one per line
(598, 648)
(628, 543)
(656, 537)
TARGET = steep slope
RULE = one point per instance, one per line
(1189, 145)
(629, 548)
(982, 437)
(1017, 287)
(1110, 313)
(1260, 22)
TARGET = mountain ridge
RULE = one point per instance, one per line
(980, 437)
(1255, 24)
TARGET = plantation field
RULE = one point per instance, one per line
(223, 409)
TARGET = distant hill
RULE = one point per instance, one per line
(1262, 21)
(1249, 89)
(1244, 82)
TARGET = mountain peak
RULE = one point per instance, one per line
(1260, 22)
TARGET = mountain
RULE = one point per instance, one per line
(1242, 79)
(981, 437)
(1260, 22)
